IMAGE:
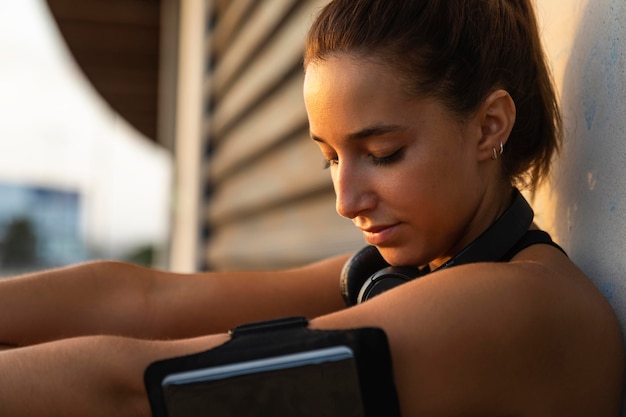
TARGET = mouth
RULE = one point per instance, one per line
(378, 235)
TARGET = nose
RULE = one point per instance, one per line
(353, 191)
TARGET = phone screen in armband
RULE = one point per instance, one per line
(321, 383)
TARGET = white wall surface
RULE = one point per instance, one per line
(584, 206)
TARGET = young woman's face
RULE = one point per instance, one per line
(405, 171)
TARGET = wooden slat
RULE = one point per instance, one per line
(291, 170)
(269, 68)
(248, 41)
(302, 233)
(280, 114)
(230, 18)
(221, 6)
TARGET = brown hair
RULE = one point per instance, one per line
(458, 51)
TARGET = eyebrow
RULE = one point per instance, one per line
(370, 131)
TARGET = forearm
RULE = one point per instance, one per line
(86, 376)
(91, 298)
(123, 299)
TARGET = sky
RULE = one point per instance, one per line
(56, 131)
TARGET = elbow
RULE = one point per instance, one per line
(126, 300)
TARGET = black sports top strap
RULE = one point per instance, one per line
(532, 237)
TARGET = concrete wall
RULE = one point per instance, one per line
(584, 205)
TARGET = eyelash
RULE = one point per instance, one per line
(328, 163)
(378, 161)
(388, 159)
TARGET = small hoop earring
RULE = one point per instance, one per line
(496, 153)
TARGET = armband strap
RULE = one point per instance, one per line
(279, 368)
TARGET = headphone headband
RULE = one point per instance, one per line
(500, 237)
(366, 274)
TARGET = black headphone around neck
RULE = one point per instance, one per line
(366, 274)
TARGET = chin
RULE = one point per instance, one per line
(400, 257)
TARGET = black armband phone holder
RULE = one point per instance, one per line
(279, 368)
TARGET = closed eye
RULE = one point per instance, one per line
(330, 162)
(388, 159)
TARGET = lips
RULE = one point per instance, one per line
(378, 235)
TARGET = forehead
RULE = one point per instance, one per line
(344, 75)
(353, 90)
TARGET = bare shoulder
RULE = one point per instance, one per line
(578, 334)
(530, 337)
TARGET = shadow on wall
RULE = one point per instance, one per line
(590, 179)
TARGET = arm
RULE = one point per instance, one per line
(520, 338)
(500, 339)
(86, 376)
(122, 299)
(81, 299)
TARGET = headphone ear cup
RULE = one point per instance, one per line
(386, 279)
(358, 269)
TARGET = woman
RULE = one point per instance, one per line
(428, 113)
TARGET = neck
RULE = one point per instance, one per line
(494, 202)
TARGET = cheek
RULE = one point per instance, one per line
(452, 169)
(405, 189)
(417, 178)
(428, 188)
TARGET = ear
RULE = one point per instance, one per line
(496, 117)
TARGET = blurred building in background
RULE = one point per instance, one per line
(218, 84)
(31, 237)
